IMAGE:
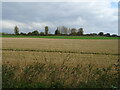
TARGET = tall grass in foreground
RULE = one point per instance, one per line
(48, 75)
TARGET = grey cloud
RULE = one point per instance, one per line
(92, 17)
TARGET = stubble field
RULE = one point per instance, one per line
(59, 63)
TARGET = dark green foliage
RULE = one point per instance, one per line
(80, 32)
(29, 33)
(46, 30)
(35, 32)
(107, 34)
(3, 33)
(42, 34)
(62, 30)
(73, 31)
(114, 35)
(57, 32)
(22, 33)
(93, 34)
(100, 33)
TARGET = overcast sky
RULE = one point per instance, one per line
(92, 16)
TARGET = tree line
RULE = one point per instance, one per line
(60, 31)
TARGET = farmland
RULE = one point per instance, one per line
(59, 63)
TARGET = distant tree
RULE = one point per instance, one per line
(93, 34)
(80, 32)
(35, 32)
(114, 35)
(16, 30)
(42, 33)
(22, 33)
(107, 34)
(57, 32)
(4, 33)
(46, 30)
(63, 30)
(51, 34)
(73, 31)
(29, 33)
(100, 33)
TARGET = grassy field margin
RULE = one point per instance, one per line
(60, 37)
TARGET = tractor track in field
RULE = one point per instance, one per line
(33, 50)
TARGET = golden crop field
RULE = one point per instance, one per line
(59, 63)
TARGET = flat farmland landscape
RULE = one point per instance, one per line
(59, 63)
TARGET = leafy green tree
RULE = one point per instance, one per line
(35, 32)
(42, 33)
(94, 34)
(107, 34)
(3, 33)
(29, 33)
(57, 32)
(80, 31)
(73, 31)
(114, 35)
(46, 30)
(100, 33)
(22, 33)
(16, 30)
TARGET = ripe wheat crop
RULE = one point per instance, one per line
(51, 63)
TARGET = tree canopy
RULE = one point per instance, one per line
(16, 30)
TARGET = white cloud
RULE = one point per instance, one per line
(24, 27)
(41, 24)
(60, 0)
(92, 15)
(8, 24)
